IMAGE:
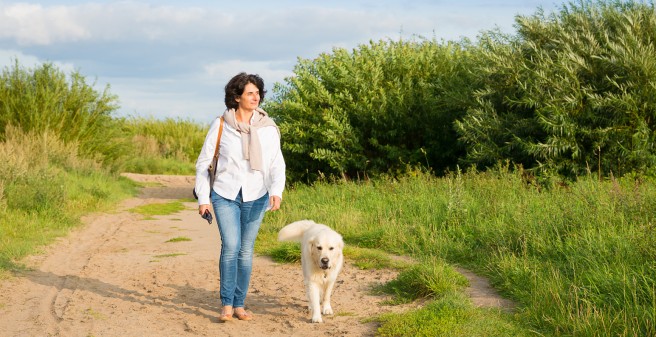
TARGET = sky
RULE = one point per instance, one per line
(172, 59)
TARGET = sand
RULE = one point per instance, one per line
(118, 276)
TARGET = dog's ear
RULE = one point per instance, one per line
(312, 242)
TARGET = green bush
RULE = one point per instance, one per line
(44, 99)
(381, 108)
(571, 93)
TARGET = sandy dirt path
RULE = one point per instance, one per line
(118, 276)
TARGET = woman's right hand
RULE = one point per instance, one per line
(203, 208)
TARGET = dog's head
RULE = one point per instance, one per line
(326, 249)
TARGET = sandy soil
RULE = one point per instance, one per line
(118, 276)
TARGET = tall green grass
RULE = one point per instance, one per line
(45, 188)
(168, 146)
(44, 98)
(579, 259)
(61, 152)
(67, 107)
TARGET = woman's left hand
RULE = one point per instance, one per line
(274, 203)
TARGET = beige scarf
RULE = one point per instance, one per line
(250, 141)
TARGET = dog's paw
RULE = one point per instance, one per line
(327, 310)
(317, 319)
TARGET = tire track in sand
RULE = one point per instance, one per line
(117, 276)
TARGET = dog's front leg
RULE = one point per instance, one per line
(314, 296)
(327, 309)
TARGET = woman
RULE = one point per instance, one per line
(250, 179)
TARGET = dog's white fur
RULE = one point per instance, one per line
(321, 260)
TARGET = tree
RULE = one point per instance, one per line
(381, 108)
(572, 92)
(44, 99)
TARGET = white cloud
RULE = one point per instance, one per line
(34, 24)
(30, 24)
(165, 99)
(224, 70)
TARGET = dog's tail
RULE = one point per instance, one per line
(294, 231)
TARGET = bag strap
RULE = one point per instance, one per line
(215, 159)
(218, 140)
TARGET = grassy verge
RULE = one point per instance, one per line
(45, 188)
(578, 259)
(163, 146)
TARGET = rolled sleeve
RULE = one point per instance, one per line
(277, 173)
(274, 174)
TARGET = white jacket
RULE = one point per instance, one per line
(234, 172)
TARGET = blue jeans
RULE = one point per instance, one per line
(238, 224)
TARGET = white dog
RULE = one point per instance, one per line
(321, 260)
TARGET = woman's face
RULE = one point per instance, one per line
(250, 98)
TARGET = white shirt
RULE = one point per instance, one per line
(234, 172)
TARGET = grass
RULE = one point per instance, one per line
(92, 313)
(150, 210)
(424, 280)
(169, 255)
(371, 258)
(167, 146)
(363, 258)
(45, 188)
(578, 259)
(179, 239)
(450, 315)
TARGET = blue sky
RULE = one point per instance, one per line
(171, 59)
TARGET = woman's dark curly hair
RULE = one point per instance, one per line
(235, 88)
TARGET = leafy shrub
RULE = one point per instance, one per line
(45, 99)
(381, 108)
(572, 92)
